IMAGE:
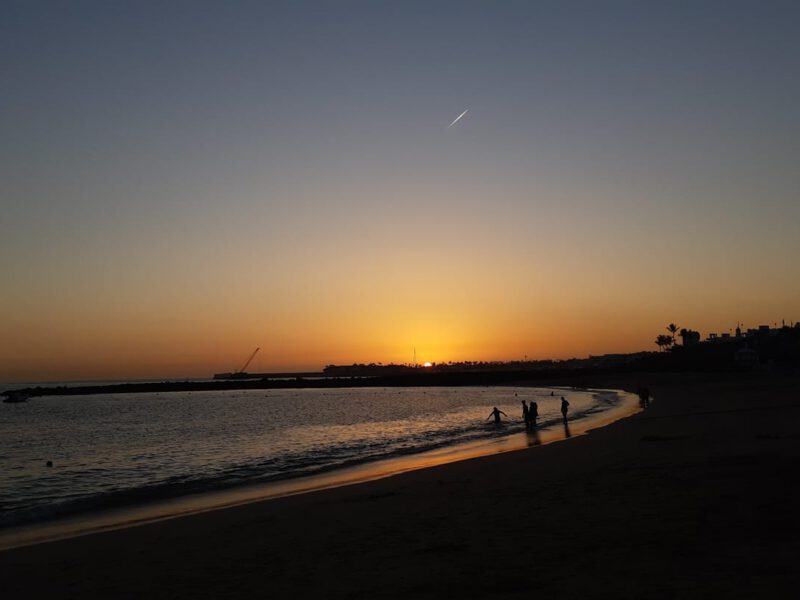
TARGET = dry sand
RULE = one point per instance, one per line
(695, 497)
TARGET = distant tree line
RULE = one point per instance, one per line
(665, 342)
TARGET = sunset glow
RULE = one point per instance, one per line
(168, 206)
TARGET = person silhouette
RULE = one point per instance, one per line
(496, 412)
(533, 414)
(644, 397)
(564, 408)
(525, 414)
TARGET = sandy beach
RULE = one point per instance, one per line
(694, 497)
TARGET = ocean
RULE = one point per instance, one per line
(122, 450)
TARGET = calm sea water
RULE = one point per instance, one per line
(119, 450)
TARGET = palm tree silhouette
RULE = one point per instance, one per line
(663, 341)
(673, 329)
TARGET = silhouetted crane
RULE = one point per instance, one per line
(240, 374)
(248, 361)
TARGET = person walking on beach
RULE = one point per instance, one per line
(644, 397)
(533, 415)
(564, 408)
(525, 415)
(496, 412)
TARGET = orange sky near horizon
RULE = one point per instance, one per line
(196, 328)
(457, 285)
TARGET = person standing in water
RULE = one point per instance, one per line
(525, 415)
(496, 412)
(533, 415)
(564, 408)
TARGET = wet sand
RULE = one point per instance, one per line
(695, 497)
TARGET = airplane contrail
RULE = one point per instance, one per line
(457, 119)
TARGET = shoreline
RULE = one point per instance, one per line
(92, 522)
(693, 498)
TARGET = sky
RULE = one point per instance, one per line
(182, 182)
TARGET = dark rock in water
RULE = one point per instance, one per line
(49, 463)
(15, 396)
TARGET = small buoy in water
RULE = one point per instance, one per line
(49, 463)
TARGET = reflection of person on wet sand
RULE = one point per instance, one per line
(533, 438)
(566, 428)
(496, 412)
(564, 408)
